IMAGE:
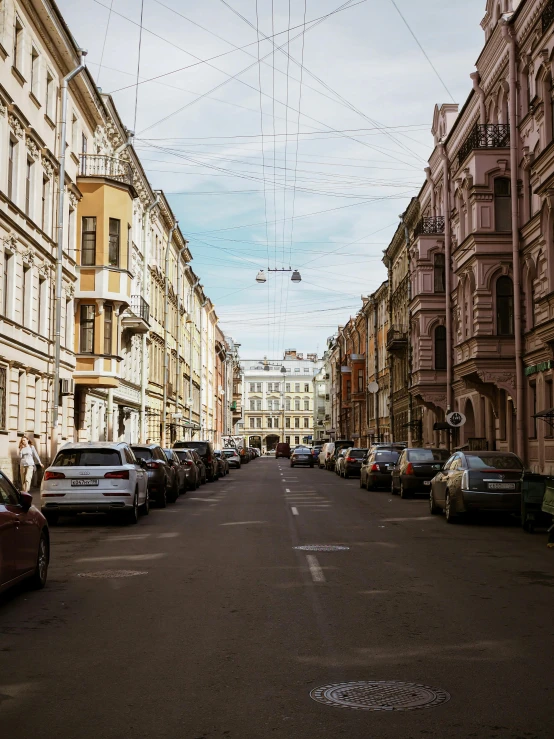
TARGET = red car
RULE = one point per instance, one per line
(24, 538)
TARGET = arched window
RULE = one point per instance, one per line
(502, 204)
(440, 348)
(438, 273)
(504, 306)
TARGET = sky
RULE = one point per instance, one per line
(282, 149)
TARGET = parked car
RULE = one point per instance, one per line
(180, 476)
(397, 446)
(232, 457)
(205, 450)
(192, 472)
(325, 454)
(301, 455)
(415, 469)
(282, 450)
(101, 477)
(199, 462)
(223, 463)
(315, 453)
(340, 444)
(477, 481)
(24, 538)
(351, 461)
(377, 467)
(338, 460)
(161, 477)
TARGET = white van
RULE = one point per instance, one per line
(325, 454)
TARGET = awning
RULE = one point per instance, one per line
(547, 415)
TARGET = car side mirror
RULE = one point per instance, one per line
(25, 500)
(142, 463)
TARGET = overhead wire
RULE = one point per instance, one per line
(138, 65)
(104, 42)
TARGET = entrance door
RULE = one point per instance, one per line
(271, 442)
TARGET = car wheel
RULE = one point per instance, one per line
(346, 474)
(403, 492)
(433, 507)
(291, 464)
(52, 518)
(146, 505)
(161, 498)
(172, 494)
(361, 481)
(38, 578)
(393, 490)
(368, 485)
(131, 517)
(449, 512)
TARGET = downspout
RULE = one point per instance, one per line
(144, 373)
(166, 314)
(376, 330)
(447, 277)
(59, 255)
(388, 265)
(177, 370)
(476, 78)
(191, 293)
(409, 327)
(432, 187)
(508, 34)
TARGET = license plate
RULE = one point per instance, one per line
(502, 486)
(427, 482)
(84, 483)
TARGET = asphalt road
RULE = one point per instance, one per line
(228, 628)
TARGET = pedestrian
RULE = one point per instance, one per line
(38, 463)
(27, 459)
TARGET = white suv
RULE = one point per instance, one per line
(95, 477)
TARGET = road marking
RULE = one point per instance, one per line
(240, 523)
(315, 569)
(128, 557)
(128, 537)
(294, 511)
(287, 490)
(202, 500)
(169, 535)
(413, 518)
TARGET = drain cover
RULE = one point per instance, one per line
(321, 548)
(106, 574)
(379, 696)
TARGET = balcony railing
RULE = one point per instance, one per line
(485, 136)
(101, 165)
(547, 16)
(140, 307)
(397, 337)
(430, 225)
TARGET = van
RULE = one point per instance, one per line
(282, 450)
(326, 453)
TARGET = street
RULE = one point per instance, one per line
(218, 627)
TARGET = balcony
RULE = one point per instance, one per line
(547, 16)
(485, 136)
(397, 338)
(137, 317)
(101, 165)
(428, 225)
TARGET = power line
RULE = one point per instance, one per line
(138, 65)
(104, 42)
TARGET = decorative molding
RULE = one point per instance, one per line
(32, 147)
(47, 166)
(3, 109)
(43, 270)
(28, 257)
(16, 126)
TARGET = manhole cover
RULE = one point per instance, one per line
(321, 548)
(379, 696)
(106, 574)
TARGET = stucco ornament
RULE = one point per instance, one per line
(43, 270)
(16, 126)
(72, 199)
(3, 108)
(47, 167)
(70, 290)
(28, 256)
(11, 243)
(32, 148)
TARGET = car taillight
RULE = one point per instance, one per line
(208, 459)
(409, 469)
(54, 475)
(350, 459)
(328, 454)
(153, 465)
(375, 467)
(187, 464)
(119, 475)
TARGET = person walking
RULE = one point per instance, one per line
(38, 464)
(27, 458)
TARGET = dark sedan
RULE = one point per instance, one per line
(477, 481)
(161, 476)
(180, 478)
(301, 455)
(223, 463)
(24, 538)
(415, 469)
(377, 468)
(351, 462)
(192, 473)
(199, 462)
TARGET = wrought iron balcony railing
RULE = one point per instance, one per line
(430, 225)
(547, 17)
(485, 136)
(397, 337)
(140, 307)
(101, 165)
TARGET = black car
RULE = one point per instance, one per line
(340, 444)
(161, 475)
(377, 467)
(415, 469)
(192, 472)
(223, 464)
(201, 467)
(351, 462)
(473, 481)
(301, 455)
(180, 474)
(205, 450)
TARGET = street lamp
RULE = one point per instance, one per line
(296, 276)
(261, 277)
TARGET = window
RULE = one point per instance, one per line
(40, 306)
(533, 409)
(287, 439)
(12, 167)
(297, 440)
(258, 387)
(275, 423)
(252, 404)
(50, 96)
(504, 306)
(296, 423)
(258, 405)
(88, 241)
(306, 423)
(360, 380)
(502, 204)
(306, 370)
(113, 253)
(74, 132)
(306, 404)
(129, 248)
(2, 397)
(17, 44)
(297, 369)
(287, 422)
(287, 404)
(269, 423)
(439, 281)
(108, 322)
(348, 389)
(258, 423)
(297, 404)
(252, 387)
(548, 403)
(276, 387)
(296, 387)
(306, 387)
(269, 405)
(68, 323)
(45, 199)
(287, 387)
(28, 186)
(6, 284)
(252, 423)
(34, 71)
(440, 348)
(71, 232)
(25, 285)
(87, 329)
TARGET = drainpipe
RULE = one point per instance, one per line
(201, 361)
(433, 195)
(177, 371)
(144, 374)
(476, 78)
(191, 293)
(166, 314)
(376, 330)
(59, 256)
(508, 34)
(409, 327)
(447, 276)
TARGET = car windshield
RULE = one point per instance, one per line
(428, 455)
(358, 453)
(87, 458)
(200, 446)
(301, 450)
(229, 452)
(493, 462)
(142, 453)
(181, 455)
(386, 456)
